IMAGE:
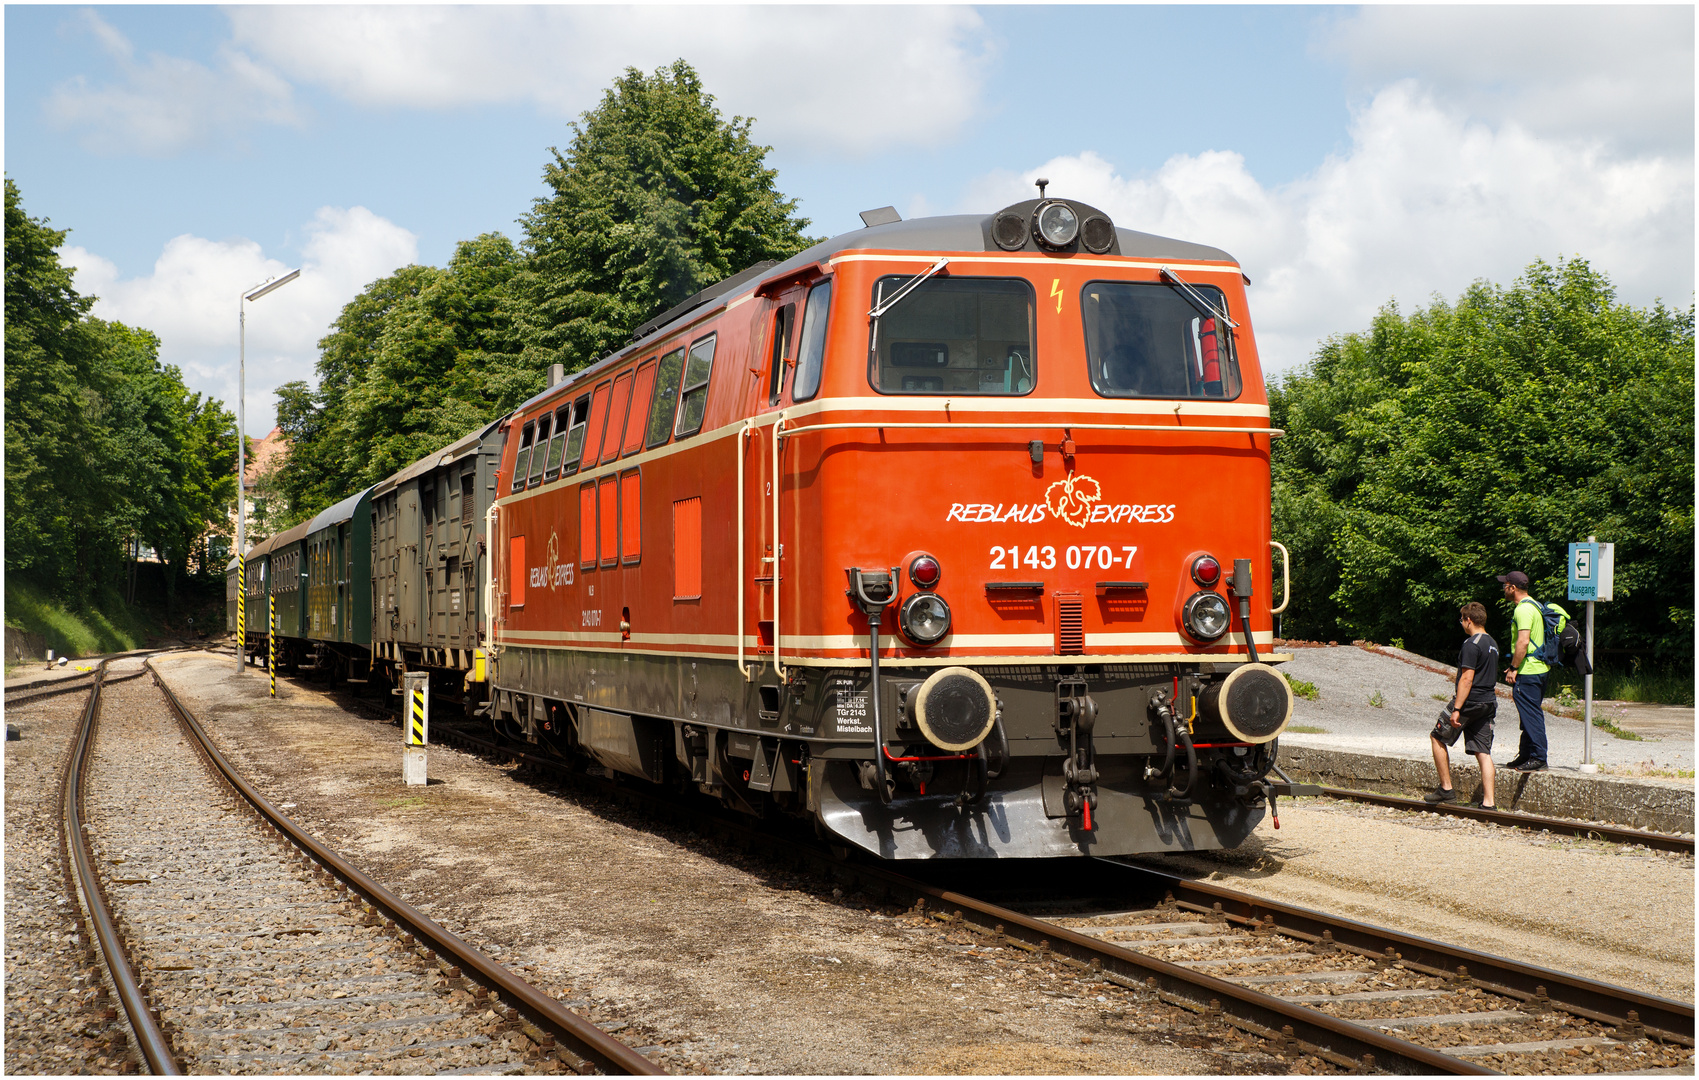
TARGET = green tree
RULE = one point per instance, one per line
(104, 444)
(414, 362)
(656, 198)
(1443, 448)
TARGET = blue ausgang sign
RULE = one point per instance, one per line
(1590, 571)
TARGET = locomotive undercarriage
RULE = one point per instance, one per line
(1087, 758)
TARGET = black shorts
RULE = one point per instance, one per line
(1477, 728)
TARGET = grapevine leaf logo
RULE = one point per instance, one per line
(1070, 499)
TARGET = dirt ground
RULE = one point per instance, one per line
(1615, 913)
(709, 960)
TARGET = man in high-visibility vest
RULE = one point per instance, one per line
(1527, 674)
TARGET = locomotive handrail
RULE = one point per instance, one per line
(1285, 576)
(778, 548)
(742, 453)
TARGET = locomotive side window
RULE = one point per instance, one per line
(575, 435)
(671, 369)
(607, 519)
(631, 517)
(619, 407)
(557, 446)
(539, 452)
(954, 336)
(634, 428)
(598, 421)
(693, 403)
(587, 526)
(522, 463)
(811, 347)
(782, 320)
(1150, 340)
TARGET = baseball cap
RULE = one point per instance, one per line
(1516, 578)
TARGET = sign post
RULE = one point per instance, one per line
(415, 725)
(1592, 569)
(271, 641)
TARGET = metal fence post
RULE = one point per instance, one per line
(271, 641)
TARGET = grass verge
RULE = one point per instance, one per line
(106, 626)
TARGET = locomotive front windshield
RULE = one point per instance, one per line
(954, 336)
(1149, 340)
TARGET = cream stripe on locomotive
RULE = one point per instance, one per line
(1004, 260)
(1078, 408)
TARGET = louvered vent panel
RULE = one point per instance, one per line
(1070, 624)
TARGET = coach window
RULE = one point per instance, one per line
(782, 320)
(953, 335)
(522, 461)
(539, 454)
(598, 422)
(557, 445)
(1144, 339)
(666, 397)
(811, 346)
(693, 400)
(575, 435)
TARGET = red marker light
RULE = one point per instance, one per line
(1206, 571)
(925, 572)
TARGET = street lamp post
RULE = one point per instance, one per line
(251, 293)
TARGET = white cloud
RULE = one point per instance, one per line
(190, 300)
(166, 104)
(1622, 74)
(918, 70)
(1424, 201)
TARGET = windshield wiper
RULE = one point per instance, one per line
(908, 286)
(1198, 300)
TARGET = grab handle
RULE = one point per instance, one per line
(1285, 576)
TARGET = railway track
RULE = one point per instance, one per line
(1355, 996)
(236, 943)
(1615, 834)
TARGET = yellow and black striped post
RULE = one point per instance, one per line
(415, 725)
(241, 614)
(271, 641)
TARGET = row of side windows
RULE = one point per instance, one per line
(663, 397)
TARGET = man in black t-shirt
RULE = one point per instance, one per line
(1472, 708)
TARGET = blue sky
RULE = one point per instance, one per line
(1347, 156)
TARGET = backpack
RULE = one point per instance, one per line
(1561, 642)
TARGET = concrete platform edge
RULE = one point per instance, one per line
(1615, 799)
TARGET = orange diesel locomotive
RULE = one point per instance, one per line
(944, 532)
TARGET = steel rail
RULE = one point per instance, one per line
(1583, 997)
(1344, 1043)
(583, 1037)
(155, 1047)
(76, 684)
(1616, 834)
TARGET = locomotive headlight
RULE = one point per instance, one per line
(1057, 224)
(926, 618)
(1205, 616)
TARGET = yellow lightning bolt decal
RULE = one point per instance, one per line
(1056, 291)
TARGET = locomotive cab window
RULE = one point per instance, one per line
(811, 346)
(782, 319)
(1152, 340)
(693, 399)
(953, 336)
